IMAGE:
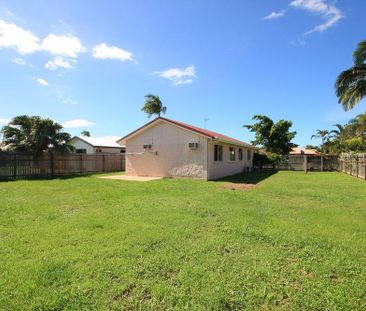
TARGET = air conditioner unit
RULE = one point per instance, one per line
(193, 146)
(147, 146)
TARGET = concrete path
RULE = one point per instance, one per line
(132, 178)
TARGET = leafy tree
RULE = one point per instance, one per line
(35, 135)
(85, 133)
(153, 106)
(274, 137)
(351, 84)
(312, 147)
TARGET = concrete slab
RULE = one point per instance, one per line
(131, 178)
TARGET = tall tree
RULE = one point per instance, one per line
(351, 83)
(324, 135)
(274, 137)
(153, 105)
(35, 135)
(85, 133)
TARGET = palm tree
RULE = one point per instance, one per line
(85, 133)
(351, 83)
(361, 124)
(153, 105)
(35, 135)
(324, 135)
(337, 137)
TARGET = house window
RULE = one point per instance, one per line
(240, 153)
(122, 151)
(218, 153)
(98, 150)
(80, 150)
(249, 155)
(232, 153)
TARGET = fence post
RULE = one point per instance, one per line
(305, 163)
(357, 166)
(321, 162)
(52, 165)
(103, 162)
(14, 166)
(81, 163)
(364, 166)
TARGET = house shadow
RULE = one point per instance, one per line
(248, 177)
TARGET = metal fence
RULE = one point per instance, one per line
(307, 163)
(22, 166)
(353, 164)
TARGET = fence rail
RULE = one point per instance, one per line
(22, 166)
(354, 165)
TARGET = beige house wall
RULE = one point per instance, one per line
(226, 167)
(169, 155)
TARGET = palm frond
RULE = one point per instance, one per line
(359, 56)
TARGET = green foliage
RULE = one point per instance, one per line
(153, 106)
(85, 133)
(95, 244)
(351, 84)
(274, 137)
(35, 135)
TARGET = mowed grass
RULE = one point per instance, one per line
(294, 242)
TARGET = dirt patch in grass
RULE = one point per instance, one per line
(234, 186)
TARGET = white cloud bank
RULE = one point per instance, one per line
(42, 81)
(103, 51)
(19, 61)
(76, 123)
(4, 121)
(274, 15)
(13, 36)
(65, 48)
(60, 62)
(329, 13)
(179, 75)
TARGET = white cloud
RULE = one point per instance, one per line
(13, 36)
(42, 81)
(76, 123)
(274, 15)
(103, 51)
(4, 121)
(65, 45)
(60, 62)
(179, 75)
(69, 101)
(329, 12)
(19, 61)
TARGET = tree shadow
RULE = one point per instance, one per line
(248, 177)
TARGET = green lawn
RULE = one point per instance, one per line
(294, 242)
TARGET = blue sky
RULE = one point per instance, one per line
(88, 64)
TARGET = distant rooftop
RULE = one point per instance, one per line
(104, 141)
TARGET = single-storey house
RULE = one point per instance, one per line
(168, 148)
(93, 145)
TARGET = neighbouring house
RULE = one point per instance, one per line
(93, 145)
(303, 151)
(168, 148)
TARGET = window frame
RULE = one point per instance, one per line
(240, 154)
(232, 154)
(218, 153)
(249, 155)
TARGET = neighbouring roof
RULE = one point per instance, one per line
(198, 130)
(105, 141)
(299, 150)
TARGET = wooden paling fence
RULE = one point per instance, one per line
(353, 164)
(22, 166)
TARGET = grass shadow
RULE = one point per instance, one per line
(248, 177)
